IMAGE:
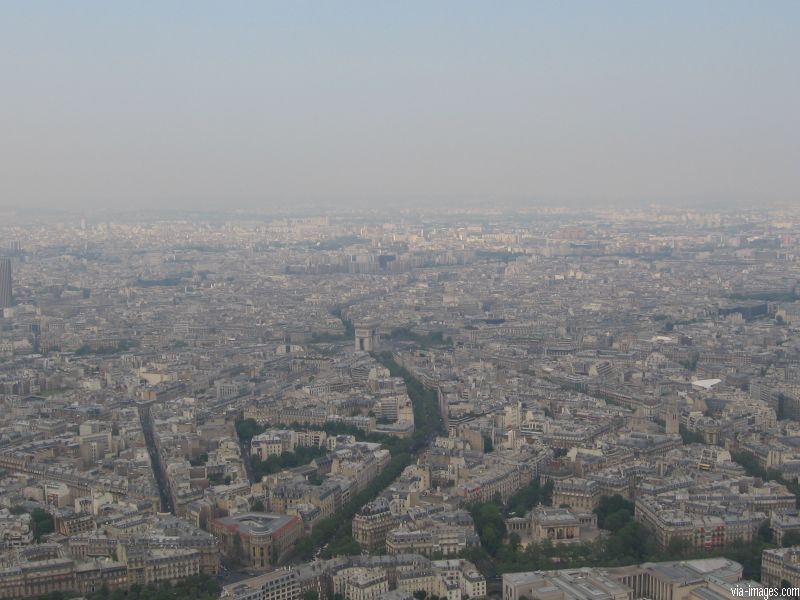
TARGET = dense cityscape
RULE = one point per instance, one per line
(533, 404)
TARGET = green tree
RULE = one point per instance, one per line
(490, 525)
(679, 547)
(237, 550)
(103, 593)
(42, 523)
(490, 539)
(199, 460)
(247, 429)
(530, 496)
(304, 548)
(790, 538)
(336, 531)
(765, 533)
(691, 437)
(342, 546)
(617, 520)
(613, 505)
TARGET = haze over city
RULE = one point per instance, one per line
(412, 104)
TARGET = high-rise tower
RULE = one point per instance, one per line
(5, 282)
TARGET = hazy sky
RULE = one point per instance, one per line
(238, 104)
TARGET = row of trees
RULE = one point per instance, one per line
(121, 346)
(435, 338)
(349, 328)
(335, 534)
(425, 402)
(752, 467)
(325, 337)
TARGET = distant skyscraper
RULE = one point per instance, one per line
(5, 282)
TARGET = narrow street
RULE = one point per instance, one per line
(244, 449)
(158, 473)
